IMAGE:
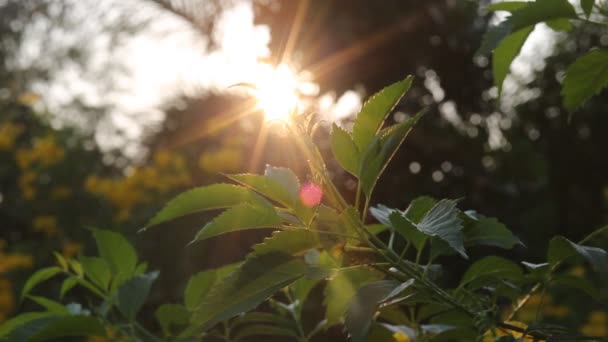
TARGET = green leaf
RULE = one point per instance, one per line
(493, 267)
(505, 53)
(216, 196)
(50, 305)
(561, 249)
(241, 217)
(407, 229)
(171, 314)
(443, 222)
(53, 328)
(488, 231)
(264, 330)
(67, 285)
(267, 187)
(344, 149)
(586, 77)
(38, 277)
(560, 25)
(342, 287)
(10, 325)
(380, 151)
(375, 110)
(61, 260)
(262, 317)
(97, 270)
(419, 207)
(494, 35)
(363, 307)
(285, 177)
(116, 251)
(398, 290)
(509, 6)
(587, 6)
(133, 293)
(579, 283)
(270, 267)
(200, 284)
(541, 11)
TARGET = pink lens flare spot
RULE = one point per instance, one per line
(311, 194)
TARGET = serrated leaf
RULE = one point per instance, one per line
(267, 187)
(419, 207)
(344, 149)
(587, 6)
(116, 251)
(49, 305)
(241, 217)
(505, 53)
(363, 307)
(586, 77)
(270, 267)
(561, 249)
(38, 277)
(488, 231)
(97, 270)
(443, 222)
(171, 314)
(491, 267)
(285, 177)
(407, 229)
(200, 284)
(67, 285)
(398, 290)
(342, 287)
(380, 151)
(375, 110)
(133, 293)
(215, 196)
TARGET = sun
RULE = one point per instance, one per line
(277, 92)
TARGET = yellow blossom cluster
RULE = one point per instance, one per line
(9, 262)
(597, 324)
(45, 224)
(44, 152)
(9, 132)
(401, 337)
(167, 172)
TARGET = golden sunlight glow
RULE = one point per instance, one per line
(276, 92)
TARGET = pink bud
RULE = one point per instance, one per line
(311, 194)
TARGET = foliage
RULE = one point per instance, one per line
(374, 285)
(585, 77)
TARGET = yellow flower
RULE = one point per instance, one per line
(162, 158)
(401, 337)
(70, 249)
(10, 262)
(46, 224)
(598, 317)
(9, 132)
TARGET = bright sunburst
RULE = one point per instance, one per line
(277, 92)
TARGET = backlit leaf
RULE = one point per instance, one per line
(505, 53)
(133, 293)
(375, 110)
(443, 222)
(344, 149)
(38, 277)
(561, 249)
(586, 77)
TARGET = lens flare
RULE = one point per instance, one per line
(276, 93)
